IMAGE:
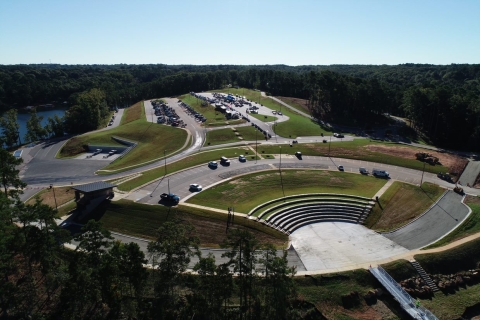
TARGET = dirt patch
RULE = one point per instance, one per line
(454, 163)
(62, 195)
(472, 200)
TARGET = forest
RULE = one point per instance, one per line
(441, 101)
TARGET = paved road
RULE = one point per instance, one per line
(179, 182)
(434, 224)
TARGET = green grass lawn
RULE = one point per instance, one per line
(190, 161)
(392, 213)
(250, 133)
(152, 140)
(246, 192)
(470, 226)
(356, 149)
(221, 136)
(143, 220)
(263, 117)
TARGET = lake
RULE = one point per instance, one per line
(23, 118)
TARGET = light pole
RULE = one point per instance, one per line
(256, 146)
(165, 158)
(54, 197)
(280, 170)
(329, 145)
(423, 171)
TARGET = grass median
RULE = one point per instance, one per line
(263, 117)
(392, 212)
(246, 192)
(143, 220)
(221, 136)
(190, 161)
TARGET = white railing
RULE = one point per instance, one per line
(406, 301)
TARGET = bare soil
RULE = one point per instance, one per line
(62, 195)
(454, 163)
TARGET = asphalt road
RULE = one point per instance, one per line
(434, 224)
(205, 176)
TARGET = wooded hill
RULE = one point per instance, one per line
(442, 101)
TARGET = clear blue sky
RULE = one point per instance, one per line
(239, 32)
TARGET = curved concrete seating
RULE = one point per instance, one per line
(315, 215)
(304, 197)
(279, 216)
(264, 214)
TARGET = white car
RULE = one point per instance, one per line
(195, 187)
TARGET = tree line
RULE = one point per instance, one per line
(101, 278)
(428, 95)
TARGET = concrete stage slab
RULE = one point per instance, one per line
(336, 245)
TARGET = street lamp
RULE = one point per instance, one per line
(329, 145)
(423, 171)
(54, 197)
(280, 170)
(256, 146)
(165, 158)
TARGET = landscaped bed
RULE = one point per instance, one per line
(246, 192)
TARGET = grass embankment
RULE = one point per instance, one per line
(400, 204)
(299, 104)
(325, 292)
(190, 161)
(246, 192)
(143, 220)
(460, 258)
(400, 269)
(297, 125)
(263, 117)
(135, 112)
(152, 140)
(470, 226)
(360, 149)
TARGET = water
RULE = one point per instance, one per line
(22, 119)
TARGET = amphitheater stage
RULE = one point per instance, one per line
(339, 245)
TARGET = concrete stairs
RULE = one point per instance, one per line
(424, 275)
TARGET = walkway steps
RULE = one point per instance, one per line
(424, 275)
(406, 301)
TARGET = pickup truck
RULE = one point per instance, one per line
(170, 197)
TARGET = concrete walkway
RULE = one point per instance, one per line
(470, 174)
(443, 217)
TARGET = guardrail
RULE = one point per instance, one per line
(130, 144)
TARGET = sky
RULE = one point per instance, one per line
(245, 32)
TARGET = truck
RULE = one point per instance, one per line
(170, 198)
(380, 173)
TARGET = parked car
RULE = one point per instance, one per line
(213, 164)
(363, 170)
(195, 187)
(225, 161)
(242, 158)
(341, 168)
(380, 173)
(298, 154)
